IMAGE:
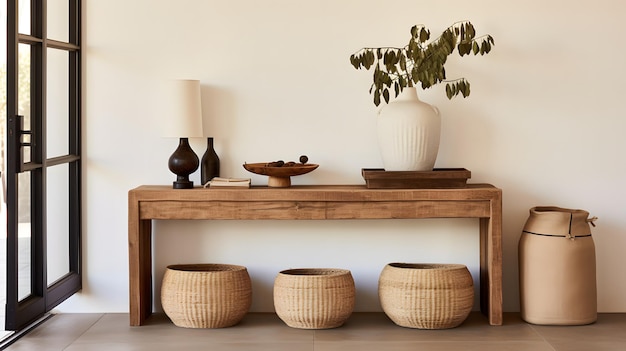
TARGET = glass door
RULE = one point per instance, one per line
(43, 157)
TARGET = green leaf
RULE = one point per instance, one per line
(369, 59)
(413, 47)
(424, 35)
(471, 32)
(402, 82)
(466, 90)
(483, 47)
(354, 61)
(488, 48)
(377, 97)
(448, 91)
(386, 79)
(386, 95)
(390, 58)
(464, 48)
(475, 48)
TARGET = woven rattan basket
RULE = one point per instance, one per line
(206, 295)
(426, 296)
(314, 298)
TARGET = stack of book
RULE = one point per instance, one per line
(218, 182)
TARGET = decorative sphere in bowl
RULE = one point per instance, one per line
(279, 177)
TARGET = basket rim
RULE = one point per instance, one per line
(547, 210)
(205, 267)
(314, 272)
(426, 266)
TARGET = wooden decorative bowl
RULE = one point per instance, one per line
(279, 177)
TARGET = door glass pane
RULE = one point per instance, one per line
(23, 236)
(23, 22)
(23, 91)
(58, 245)
(58, 20)
(58, 103)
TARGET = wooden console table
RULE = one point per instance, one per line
(147, 203)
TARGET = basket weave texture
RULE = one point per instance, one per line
(426, 296)
(206, 295)
(314, 298)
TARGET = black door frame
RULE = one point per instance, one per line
(43, 297)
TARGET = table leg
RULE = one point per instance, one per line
(491, 264)
(140, 271)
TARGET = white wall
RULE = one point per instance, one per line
(545, 123)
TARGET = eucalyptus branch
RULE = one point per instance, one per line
(421, 61)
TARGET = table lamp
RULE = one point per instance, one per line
(184, 121)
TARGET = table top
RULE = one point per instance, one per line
(312, 193)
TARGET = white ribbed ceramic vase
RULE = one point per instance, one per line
(408, 133)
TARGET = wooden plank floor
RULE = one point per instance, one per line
(362, 332)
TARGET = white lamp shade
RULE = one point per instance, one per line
(183, 109)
